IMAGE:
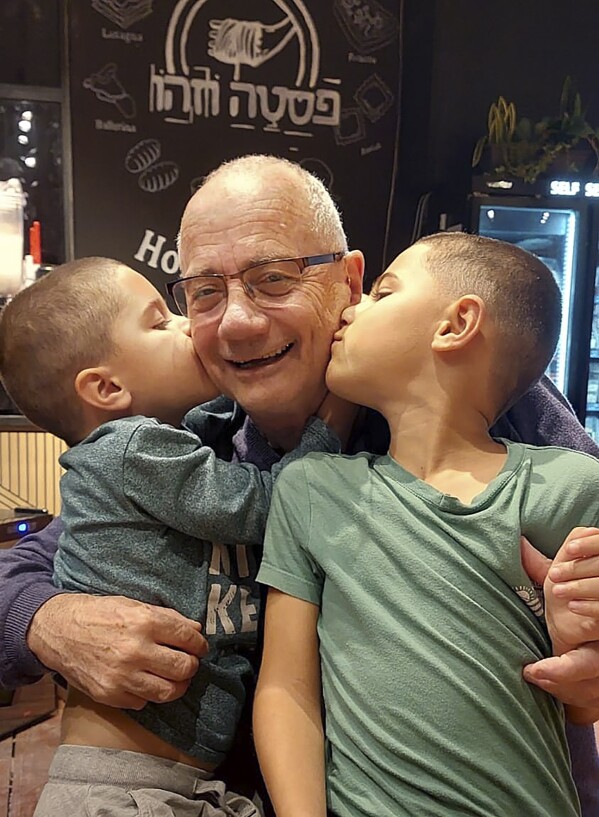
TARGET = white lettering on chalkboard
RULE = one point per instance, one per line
(351, 57)
(153, 248)
(151, 252)
(125, 36)
(117, 127)
(201, 96)
(169, 262)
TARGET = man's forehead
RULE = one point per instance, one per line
(229, 246)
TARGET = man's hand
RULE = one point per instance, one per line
(120, 652)
(573, 678)
(571, 587)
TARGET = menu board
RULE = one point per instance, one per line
(162, 92)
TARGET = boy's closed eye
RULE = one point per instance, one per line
(382, 287)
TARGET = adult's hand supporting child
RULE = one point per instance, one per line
(120, 652)
(571, 585)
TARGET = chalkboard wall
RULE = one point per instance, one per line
(162, 92)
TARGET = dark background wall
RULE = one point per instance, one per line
(459, 55)
(162, 96)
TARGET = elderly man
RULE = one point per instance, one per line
(268, 350)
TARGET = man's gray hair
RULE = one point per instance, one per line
(325, 217)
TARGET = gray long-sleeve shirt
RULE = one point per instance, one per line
(151, 513)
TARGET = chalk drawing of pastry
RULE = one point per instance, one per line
(374, 97)
(158, 177)
(367, 25)
(108, 88)
(123, 12)
(142, 155)
(351, 127)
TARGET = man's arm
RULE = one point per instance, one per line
(26, 582)
(121, 652)
(543, 416)
(287, 712)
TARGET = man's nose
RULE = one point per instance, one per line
(242, 319)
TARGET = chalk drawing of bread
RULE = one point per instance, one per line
(142, 155)
(158, 177)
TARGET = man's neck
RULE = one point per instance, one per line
(282, 433)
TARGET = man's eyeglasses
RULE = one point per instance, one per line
(263, 283)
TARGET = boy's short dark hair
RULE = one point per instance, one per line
(519, 291)
(50, 332)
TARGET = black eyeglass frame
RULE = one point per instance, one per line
(302, 264)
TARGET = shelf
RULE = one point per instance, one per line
(16, 422)
(593, 408)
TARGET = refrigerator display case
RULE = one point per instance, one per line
(559, 222)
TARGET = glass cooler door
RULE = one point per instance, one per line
(552, 235)
(592, 410)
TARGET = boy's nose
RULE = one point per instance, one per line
(184, 324)
(347, 315)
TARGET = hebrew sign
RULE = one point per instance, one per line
(162, 92)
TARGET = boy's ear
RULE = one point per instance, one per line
(462, 322)
(354, 268)
(99, 388)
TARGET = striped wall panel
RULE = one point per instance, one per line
(29, 470)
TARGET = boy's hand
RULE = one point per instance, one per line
(339, 415)
(120, 652)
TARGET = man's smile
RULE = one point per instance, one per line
(263, 360)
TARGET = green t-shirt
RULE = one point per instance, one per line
(426, 620)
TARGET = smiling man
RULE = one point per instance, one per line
(266, 348)
(269, 353)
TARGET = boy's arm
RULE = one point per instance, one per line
(287, 712)
(178, 480)
(288, 732)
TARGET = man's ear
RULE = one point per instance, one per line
(461, 323)
(354, 268)
(99, 388)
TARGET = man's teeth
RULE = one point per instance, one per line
(247, 364)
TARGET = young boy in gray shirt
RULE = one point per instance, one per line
(397, 587)
(91, 354)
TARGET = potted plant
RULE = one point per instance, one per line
(525, 150)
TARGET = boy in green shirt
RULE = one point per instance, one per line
(396, 582)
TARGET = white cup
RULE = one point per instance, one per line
(11, 237)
